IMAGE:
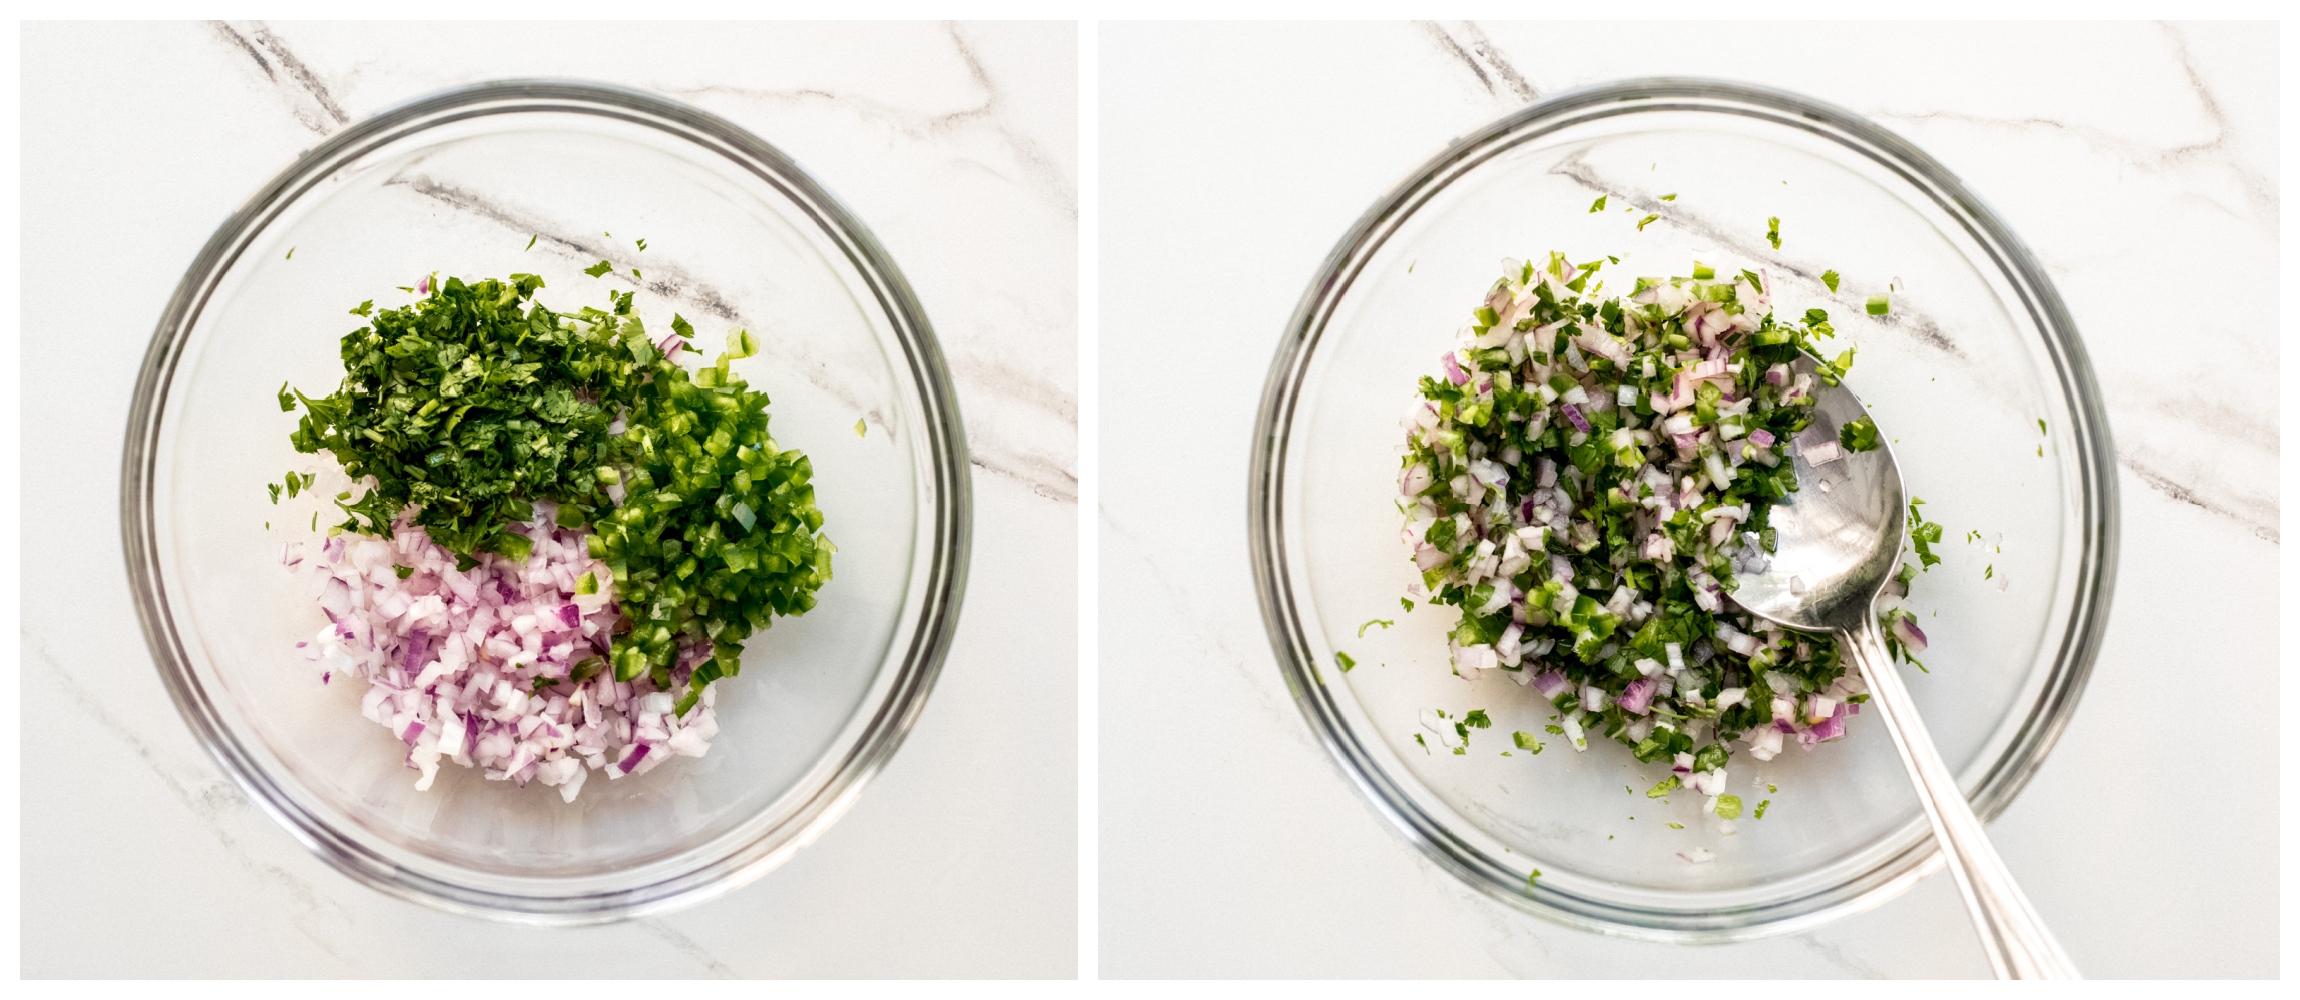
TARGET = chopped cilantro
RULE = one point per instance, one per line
(531, 241)
(1991, 572)
(1675, 826)
(1860, 435)
(1477, 719)
(1641, 223)
(1526, 741)
(1599, 205)
(1760, 813)
(1923, 534)
(598, 269)
(1829, 278)
(1667, 785)
(1711, 758)
(1345, 660)
(1409, 605)
(1385, 624)
(860, 427)
(290, 254)
(1424, 743)
(1773, 232)
(642, 246)
(1593, 506)
(475, 402)
(296, 484)
(1672, 196)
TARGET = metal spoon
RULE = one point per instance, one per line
(1837, 541)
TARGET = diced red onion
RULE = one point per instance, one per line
(1912, 637)
(453, 659)
(1637, 698)
(1573, 414)
(1832, 727)
(631, 760)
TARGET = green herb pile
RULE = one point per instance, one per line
(1585, 483)
(475, 402)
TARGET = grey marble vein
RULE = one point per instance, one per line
(1016, 385)
(1043, 476)
(207, 802)
(1041, 168)
(1244, 664)
(1836, 956)
(1465, 41)
(1046, 477)
(552, 237)
(1905, 317)
(307, 98)
(311, 104)
(688, 947)
(2256, 516)
(2259, 188)
(1035, 160)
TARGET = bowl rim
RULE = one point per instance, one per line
(2097, 537)
(921, 644)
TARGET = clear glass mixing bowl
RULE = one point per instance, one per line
(737, 236)
(1976, 351)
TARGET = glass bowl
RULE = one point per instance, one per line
(462, 183)
(1976, 351)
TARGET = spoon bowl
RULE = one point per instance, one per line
(1837, 539)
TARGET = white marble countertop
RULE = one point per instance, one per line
(2128, 156)
(955, 144)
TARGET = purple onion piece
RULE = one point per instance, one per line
(1574, 415)
(1453, 369)
(1912, 638)
(637, 755)
(1638, 696)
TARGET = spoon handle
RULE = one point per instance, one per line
(2018, 945)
